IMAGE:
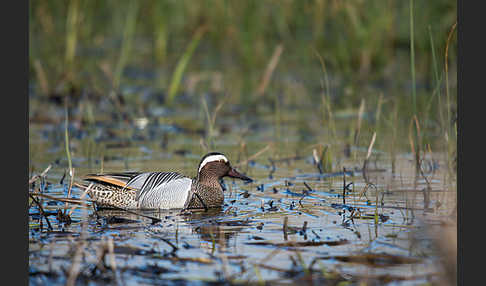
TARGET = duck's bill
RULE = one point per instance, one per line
(235, 174)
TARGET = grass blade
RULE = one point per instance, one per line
(182, 63)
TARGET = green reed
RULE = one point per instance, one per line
(451, 129)
(127, 42)
(244, 31)
(412, 59)
(160, 31)
(183, 62)
(66, 138)
(326, 97)
(71, 33)
(436, 93)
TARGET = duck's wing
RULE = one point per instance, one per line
(113, 179)
(145, 182)
(160, 189)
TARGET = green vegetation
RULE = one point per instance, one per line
(377, 62)
(367, 40)
(286, 89)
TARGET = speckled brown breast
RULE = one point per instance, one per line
(212, 196)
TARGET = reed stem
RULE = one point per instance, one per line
(412, 59)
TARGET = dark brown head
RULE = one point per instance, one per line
(216, 165)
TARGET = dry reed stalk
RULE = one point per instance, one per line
(378, 109)
(368, 155)
(224, 258)
(344, 186)
(358, 125)
(69, 200)
(270, 255)
(426, 191)
(370, 147)
(326, 96)
(256, 268)
(80, 248)
(415, 149)
(41, 77)
(76, 265)
(243, 151)
(81, 198)
(71, 181)
(111, 252)
(254, 155)
(285, 227)
(317, 160)
(107, 71)
(446, 66)
(41, 210)
(174, 248)
(66, 136)
(212, 118)
(313, 146)
(270, 69)
(51, 254)
(101, 253)
(446, 239)
(216, 110)
(203, 145)
(36, 177)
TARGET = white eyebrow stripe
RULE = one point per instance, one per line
(212, 158)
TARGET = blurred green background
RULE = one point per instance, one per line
(376, 60)
(80, 42)
(119, 85)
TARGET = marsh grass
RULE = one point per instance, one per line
(245, 32)
(66, 139)
(354, 43)
(327, 115)
(412, 59)
(437, 82)
(277, 119)
(211, 119)
(72, 21)
(451, 128)
(183, 62)
(390, 124)
(272, 64)
(127, 42)
(160, 31)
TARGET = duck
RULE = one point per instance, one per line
(163, 190)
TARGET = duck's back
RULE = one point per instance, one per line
(151, 190)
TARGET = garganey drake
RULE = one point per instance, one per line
(164, 190)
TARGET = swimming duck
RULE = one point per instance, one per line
(164, 190)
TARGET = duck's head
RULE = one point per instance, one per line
(216, 165)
